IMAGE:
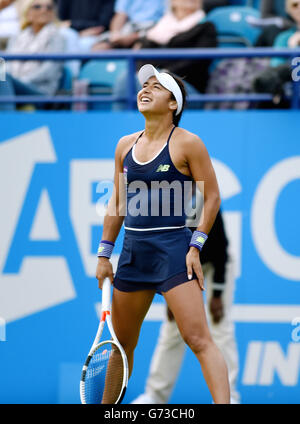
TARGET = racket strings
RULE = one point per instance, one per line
(104, 375)
(114, 377)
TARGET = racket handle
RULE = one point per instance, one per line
(106, 295)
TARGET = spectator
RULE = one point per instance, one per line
(233, 77)
(131, 17)
(291, 37)
(278, 77)
(88, 17)
(83, 21)
(209, 5)
(274, 20)
(181, 27)
(39, 34)
(9, 22)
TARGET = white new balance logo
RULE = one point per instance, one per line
(163, 168)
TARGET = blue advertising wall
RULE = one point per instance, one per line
(50, 167)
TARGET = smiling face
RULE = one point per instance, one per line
(154, 98)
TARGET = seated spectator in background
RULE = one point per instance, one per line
(181, 27)
(39, 34)
(9, 21)
(291, 37)
(277, 78)
(209, 5)
(89, 18)
(130, 18)
(274, 20)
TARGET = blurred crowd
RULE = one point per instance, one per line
(83, 26)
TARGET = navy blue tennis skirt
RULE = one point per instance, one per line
(153, 260)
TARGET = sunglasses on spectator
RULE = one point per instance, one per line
(48, 7)
(296, 4)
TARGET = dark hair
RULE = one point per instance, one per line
(176, 119)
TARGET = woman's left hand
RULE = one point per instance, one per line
(194, 266)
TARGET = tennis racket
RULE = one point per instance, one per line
(105, 372)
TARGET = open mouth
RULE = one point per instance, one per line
(145, 99)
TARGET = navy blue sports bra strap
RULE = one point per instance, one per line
(139, 137)
(171, 134)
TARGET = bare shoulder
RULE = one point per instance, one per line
(127, 139)
(125, 143)
(188, 140)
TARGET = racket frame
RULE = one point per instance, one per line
(105, 317)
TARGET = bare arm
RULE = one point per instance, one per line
(114, 215)
(116, 36)
(203, 173)
(118, 21)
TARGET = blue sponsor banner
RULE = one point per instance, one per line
(51, 216)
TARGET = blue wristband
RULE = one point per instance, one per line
(105, 249)
(198, 239)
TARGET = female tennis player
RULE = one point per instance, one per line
(160, 255)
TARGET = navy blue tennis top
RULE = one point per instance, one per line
(157, 193)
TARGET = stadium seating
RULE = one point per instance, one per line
(102, 76)
(232, 26)
(251, 3)
(66, 80)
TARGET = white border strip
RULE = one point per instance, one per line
(279, 314)
(155, 228)
(265, 313)
(148, 161)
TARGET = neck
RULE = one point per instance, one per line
(182, 14)
(37, 28)
(157, 128)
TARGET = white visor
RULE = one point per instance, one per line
(166, 80)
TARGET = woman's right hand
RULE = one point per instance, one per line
(104, 270)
